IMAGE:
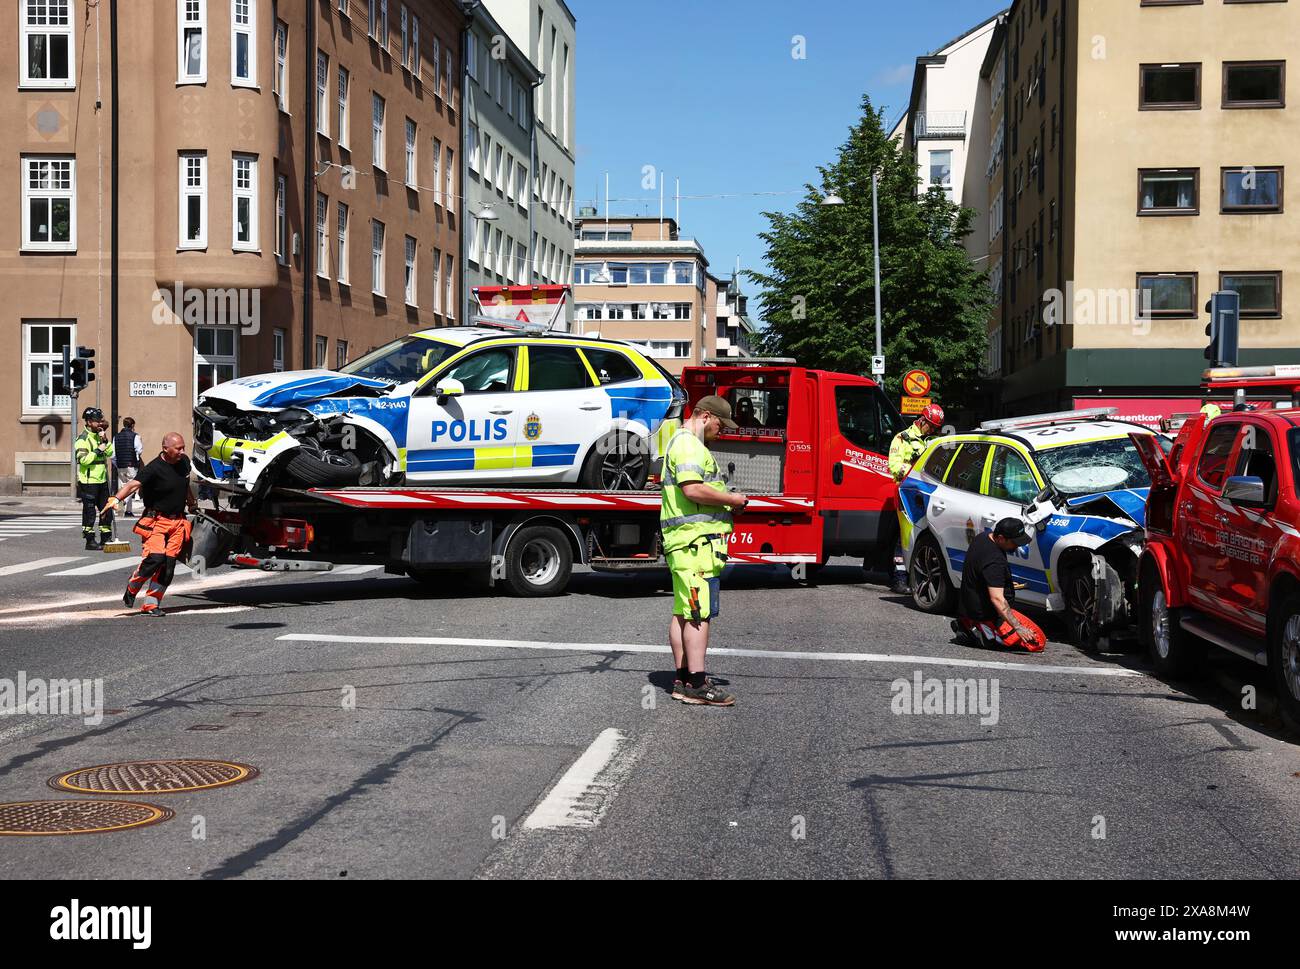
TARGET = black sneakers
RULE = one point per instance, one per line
(128, 600)
(710, 694)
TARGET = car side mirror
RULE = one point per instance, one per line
(1040, 509)
(1245, 491)
(449, 387)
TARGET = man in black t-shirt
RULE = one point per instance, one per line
(164, 485)
(987, 591)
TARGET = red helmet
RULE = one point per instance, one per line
(933, 415)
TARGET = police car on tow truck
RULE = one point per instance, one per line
(1080, 484)
(452, 405)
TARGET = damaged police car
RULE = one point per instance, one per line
(1077, 480)
(451, 405)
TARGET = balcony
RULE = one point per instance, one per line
(940, 124)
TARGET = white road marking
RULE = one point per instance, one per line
(748, 653)
(188, 589)
(52, 618)
(113, 564)
(581, 797)
(38, 564)
(355, 570)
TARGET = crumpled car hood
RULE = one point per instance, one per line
(1130, 504)
(277, 391)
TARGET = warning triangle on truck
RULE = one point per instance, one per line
(531, 309)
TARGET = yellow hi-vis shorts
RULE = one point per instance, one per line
(696, 572)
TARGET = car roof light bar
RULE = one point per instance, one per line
(1061, 417)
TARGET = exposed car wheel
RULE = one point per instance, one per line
(932, 590)
(1080, 608)
(1173, 652)
(617, 462)
(1284, 659)
(539, 562)
(328, 469)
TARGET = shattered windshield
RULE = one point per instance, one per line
(402, 361)
(1085, 469)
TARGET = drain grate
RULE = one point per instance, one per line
(77, 817)
(153, 777)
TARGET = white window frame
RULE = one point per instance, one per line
(281, 221)
(279, 341)
(322, 235)
(248, 30)
(437, 281)
(249, 194)
(343, 8)
(378, 118)
(437, 172)
(437, 68)
(416, 62)
(405, 24)
(69, 193)
(320, 358)
(485, 166)
(48, 359)
(521, 186)
(475, 149)
(383, 25)
(450, 202)
(280, 82)
(26, 30)
(343, 217)
(500, 168)
(183, 25)
(378, 238)
(188, 191)
(340, 354)
(411, 254)
(343, 93)
(471, 58)
(322, 93)
(449, 280)
(412, 153)
(216, 359)
(372, 18)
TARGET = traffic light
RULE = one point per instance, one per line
(82, 369)
(61, 372)
(1223, 329)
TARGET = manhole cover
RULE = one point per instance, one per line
(78, 817)
(153, 777)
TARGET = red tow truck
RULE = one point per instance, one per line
(1222, 558)
(810, 451)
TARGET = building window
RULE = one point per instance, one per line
(244, 203)
(1254, 84)
(941, 170)
(342, 265)
(372, 17)
(521, 263)
(47, 52)
(277, 350)
(216, 357)
(415, 46)
(191, 41)
(1251, 189)
(486, 167)
(437, 280)
(281, 223)
(50, 204)
(404, 20)
(43, 345)
(382, 35)
(1168, 191)
(322, 236)
(340, 354)
(681, 311)
(449, 280)
(1170, 87)
(377, 132)
(451, 81)
(243, 43)
(451, 180)
(1261, 293)
(410, 272)
(435, 71)
(1168, 295)
(411, 179)
(322, 93)
(322, 348)
(279, 84)
(194, 201)
(344, 79)
(377, 258)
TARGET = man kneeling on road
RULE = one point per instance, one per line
(987, 591)
(696, 523)
(164, 486)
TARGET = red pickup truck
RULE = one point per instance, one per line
(1222, 559)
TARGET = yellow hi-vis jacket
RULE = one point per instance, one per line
(908, 445)
(681, 520)
(93, 456)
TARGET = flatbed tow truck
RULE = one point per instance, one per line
(810, 452)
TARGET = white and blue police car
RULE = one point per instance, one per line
(1080, 485)
(450, 405)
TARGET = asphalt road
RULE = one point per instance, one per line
(404, 731)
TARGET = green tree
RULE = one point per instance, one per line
(818, 300)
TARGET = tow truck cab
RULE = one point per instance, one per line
(810, 434)
(1222, 559)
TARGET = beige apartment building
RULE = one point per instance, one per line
(1145, 150)
(264, 186)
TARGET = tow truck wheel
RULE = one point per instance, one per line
(932, 590)
(1080, 606)
(539, 562)
(1284, 659)
(1172, 651)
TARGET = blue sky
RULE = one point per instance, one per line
(707, 90)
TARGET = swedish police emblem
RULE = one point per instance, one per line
(533, 427)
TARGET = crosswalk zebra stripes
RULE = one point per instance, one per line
(27, 525)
